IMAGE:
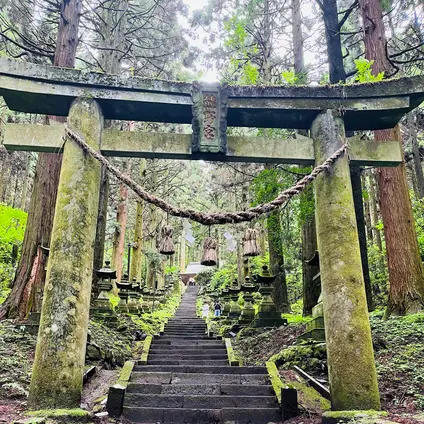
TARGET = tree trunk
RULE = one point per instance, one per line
(355, 176)
(334, 46)
(182, 254)
(24, 195)
(113, 23)
(406, 291)
(137, 250)
(119, 234)
(299, 65)
(99, 245)
(416, 154)
(367, 209)
(311, 289)
(276, 261)
(374, 212)
(43, 196)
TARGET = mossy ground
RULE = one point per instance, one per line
(399, 352)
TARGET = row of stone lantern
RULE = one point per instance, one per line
(130, 294)
(267, 315)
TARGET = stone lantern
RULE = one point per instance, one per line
(225, 296)
(133, 296)
(267, 315)
(124, 287)
(234, 290)
(248, 313)
(104, 286)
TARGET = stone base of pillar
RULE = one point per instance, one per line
(315, 329)
(268, 319)
(364, 417)
(246, 317)
(106, 315)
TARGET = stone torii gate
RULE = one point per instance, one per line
(87, 98)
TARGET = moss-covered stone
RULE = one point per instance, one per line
(355, 417)
(352, 373)
(309, 357)
(60, 353)
(65, 416)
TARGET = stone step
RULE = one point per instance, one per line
(202, 416)
(186, 342)
(184, 337)
(205, 389)
(199, 401)
(186, 356)
(181, 348)
(188, 327)
(187, 362)
(150, 376)
(201, 369)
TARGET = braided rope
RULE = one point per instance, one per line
(214, 217)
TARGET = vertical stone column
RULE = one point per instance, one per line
(60, 353)
(351, 366)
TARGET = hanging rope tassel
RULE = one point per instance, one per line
(250, 244)
(166, 245)
(209, 257)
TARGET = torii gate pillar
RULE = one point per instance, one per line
(60, 354)
(351, 366)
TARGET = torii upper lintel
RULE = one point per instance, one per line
(51, 90)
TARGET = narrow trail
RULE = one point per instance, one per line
(188, 380)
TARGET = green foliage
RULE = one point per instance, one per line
(204, 277)
(114, 301)
(12, 229)
(171, 269)
(296, 316)
(378, 274)
(418, 211)
(365, 72)
(289, 77)
(236, 33)
(224, 276)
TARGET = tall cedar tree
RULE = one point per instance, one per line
(30, 274)
(406, 292)
(338, 74)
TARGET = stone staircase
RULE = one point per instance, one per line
(188, 380)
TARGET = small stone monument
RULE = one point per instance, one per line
(248, 313)
(267, 315)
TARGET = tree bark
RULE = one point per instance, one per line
(182, 254)
(99, 245)
(311, 289)
(276, 262)
(298, 61)
(416, 154)
(137, 250)
(43, 196)
(113, 23)
(355, 176)
(406, 291)
(374, 212)
(119, 234)
(24, 195)
(334, 45)
(367, 210)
